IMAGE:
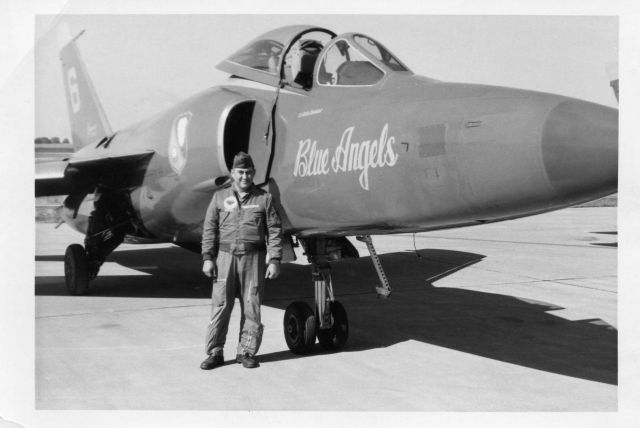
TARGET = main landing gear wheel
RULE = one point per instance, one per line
(76, 270)
(334, 338)
(299, 328)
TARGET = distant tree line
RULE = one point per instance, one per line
(53, 140)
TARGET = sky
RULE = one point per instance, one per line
(142, 64)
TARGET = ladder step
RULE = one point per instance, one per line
(385, 289)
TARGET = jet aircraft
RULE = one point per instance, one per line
(349, 141)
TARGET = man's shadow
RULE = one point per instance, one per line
(489, 325)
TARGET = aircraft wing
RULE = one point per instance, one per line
(50, 178)
(66, 176)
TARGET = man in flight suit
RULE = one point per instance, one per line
(242, 241)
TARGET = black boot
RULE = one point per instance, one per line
(212, 362)
(248, 361)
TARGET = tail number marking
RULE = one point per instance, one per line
(74, 91)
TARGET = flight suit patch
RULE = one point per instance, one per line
(230, 204)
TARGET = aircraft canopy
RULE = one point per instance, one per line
(349, 60)
(261, 58)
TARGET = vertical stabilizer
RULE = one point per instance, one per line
(89, 124)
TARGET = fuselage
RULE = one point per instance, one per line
(407, 154)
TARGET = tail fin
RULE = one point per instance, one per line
(89, 124)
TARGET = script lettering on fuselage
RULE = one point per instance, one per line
(348, 156)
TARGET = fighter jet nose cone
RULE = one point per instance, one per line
(580, 150)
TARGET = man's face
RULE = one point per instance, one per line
(243, 178)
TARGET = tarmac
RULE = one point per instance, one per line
(516, 316)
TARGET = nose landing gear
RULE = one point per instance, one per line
(328, 322)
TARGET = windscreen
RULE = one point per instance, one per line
(343, 65)
(379, 52)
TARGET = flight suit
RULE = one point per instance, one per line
(239, 235)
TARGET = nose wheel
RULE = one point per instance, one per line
(299, 328)
(328, 319)
(335, 337)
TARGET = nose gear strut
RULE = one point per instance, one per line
(328, 320)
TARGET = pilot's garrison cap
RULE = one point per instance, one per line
(243, 160)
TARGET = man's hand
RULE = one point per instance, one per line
(210, 269)
(273, 270)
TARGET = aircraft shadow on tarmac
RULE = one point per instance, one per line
(489, 325)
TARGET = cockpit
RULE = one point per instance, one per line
(345, 63)
(305, 57)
